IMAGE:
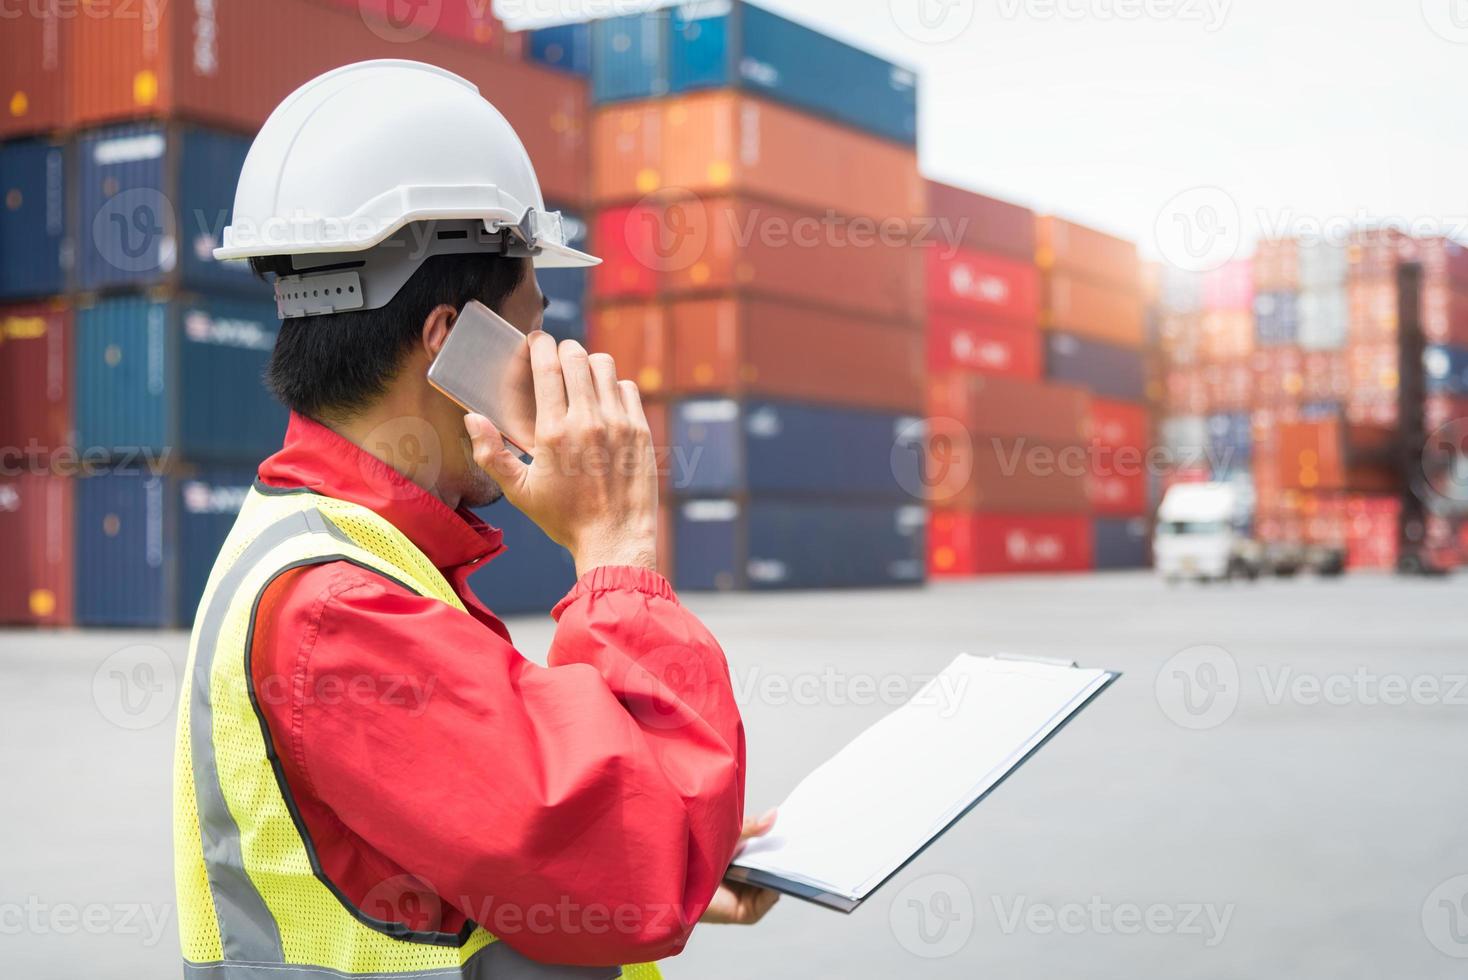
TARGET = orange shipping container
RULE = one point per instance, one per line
(727, 142)
(752, 346)
(1108, 313)
(1009, 407)
(32, 70)
(1227, 335)
(1069, 247)
(636, 335)
(230, 63)
(735, 244)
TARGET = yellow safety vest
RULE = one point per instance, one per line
(252, 903)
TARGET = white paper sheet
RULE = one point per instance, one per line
(864, 812)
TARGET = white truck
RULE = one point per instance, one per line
(1202, 534)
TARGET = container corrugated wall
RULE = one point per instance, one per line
(34, 253)
(35, 376)
(566, 47)
(36, 529)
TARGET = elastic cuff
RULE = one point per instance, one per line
(617, 578)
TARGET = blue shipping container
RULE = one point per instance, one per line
(1447, 370)
(1276, 319)
(34, 255)
(1320, 411)
(1106, 369)
(183, 376)
(146, 542)
(761, 447)
(565, 46)
(1230, 440)
(531, 576)
(629, 57)
(787, 544)
(154, 201)
(1122, 544)
(720, 43)
(565, 289)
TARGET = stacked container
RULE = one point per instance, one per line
(1095, 330)
(761, 281)
(1004, 501)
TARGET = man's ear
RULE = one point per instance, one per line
(436, 328)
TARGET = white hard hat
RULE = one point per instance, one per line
(363, 173)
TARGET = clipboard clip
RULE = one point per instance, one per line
(1047, 661)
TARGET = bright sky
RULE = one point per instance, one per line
(1301, 111)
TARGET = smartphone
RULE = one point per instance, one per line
(485, 367)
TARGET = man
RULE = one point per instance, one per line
(369, 779)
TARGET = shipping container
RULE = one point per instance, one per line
(969, 543)
(1447, 370)
(1277, 265)
(1117, 489)
(778, 350)
(767, 447)
(1323, 318)
(531, 575)
(1181, 290)
(1229, 385)
(1009, 407)
(1019, 475)
(1185, 435)
(1371, 532)
(724, 245)
(1122, 543)
(34, 247)
(1105, 369)
(717, 143)
(181, 376)
(36, 527)
(1279, 377)
(1372, 310)
(629, 58)
(983, 286)
(1120, 425)
(784, 544)
(1445, 314)
(1230, 287)
(32, 73)
(1064, 246)
(566, 47)
(1226, 334)
(35, 375)
(153, 202)
(984, 224)
(1230, 440)
(1276, 319)
(231, 64)
(719, 44)
(147, 540)
(636, 335)
(961, 343)
(470, 22)
(565, 289)
(1106, 313)
(1322, 264)
(1441, 410)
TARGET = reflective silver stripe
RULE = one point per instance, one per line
(247, 930)
(496, 961)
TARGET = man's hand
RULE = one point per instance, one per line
(739, 904)
(592, 486)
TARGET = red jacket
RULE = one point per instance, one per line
(584, 812)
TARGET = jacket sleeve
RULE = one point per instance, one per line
(584, 812)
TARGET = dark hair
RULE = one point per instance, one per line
(334, 366)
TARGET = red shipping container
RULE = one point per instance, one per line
(1108, 313)
(36, 537)
(1371, 532)
(1442, 410)
(1064, 246)
(1118, 492)
(1011, 408)
(1279, 376)
(735, 346)
(230, 65)
(33, 69)
(630, 243)
(727, 142)
(968, 543)
(1375, 252)
(636, 335)
(1230, 287)
(984, 223)
(35, 374)
(983, 285)
(1019, 475)
(960, 343)
(1445, 314)
(1120, 425)
(471, 21)
(1187, 391)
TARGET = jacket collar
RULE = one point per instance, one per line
(316, 458)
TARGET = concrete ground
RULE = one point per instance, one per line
(1276, 788)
